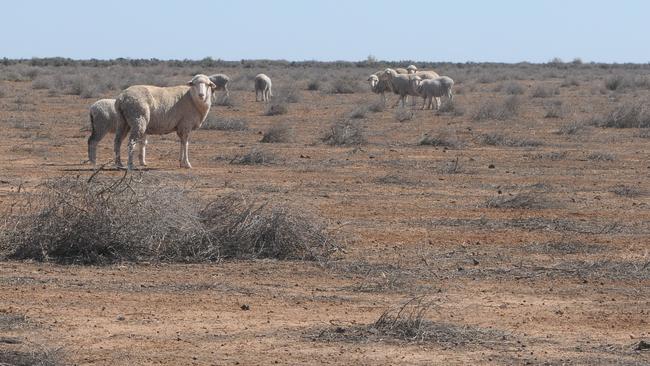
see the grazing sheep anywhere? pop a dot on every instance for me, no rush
(400, 84)
(263, 85)
(378, 86)
(153, 110)
(433, 88)
(104, 119)
(221, 81)
(411, 69)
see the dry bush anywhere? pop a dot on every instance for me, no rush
(509, 108)
(224, 124)
(601, 156)
(403, 114)
(346, 132)
(344, 85)
(553, 156)
(276, 107)
(254, 156)
(288, 94)
(359, 112)
(571, 128)
(278, 133)
(644, 133)
(513, 88)
(529, 200)
(620, 82)
(450, 107)
(626, 191)
(144, 218)
(570, 81)
(443, 139)
(313, 85)
(409, 323)
(105, 220)
(555, 109)
(3, 91)
(377, 107)
(541, 91)
(629, 115)
(36, 356)
(262, 230)
(497, 139)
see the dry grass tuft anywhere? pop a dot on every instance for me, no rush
(345, 133)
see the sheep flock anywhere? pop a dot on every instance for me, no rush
(142, 110)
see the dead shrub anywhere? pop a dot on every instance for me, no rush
(629, 115)
(541, 91)
(442, 139)
(344, 85)
(528, 201)
(344, 133)
(377, 107)
(99, 221)
(278, 133)
(497, 139)
(252, 230)
(449, 106)
(359, 112)
(626, 191)
(509, 108)
(555, 109)
(403, 114)
(513, 88)
(601, 156)
(253, 157)
(571, 128)
(276, 107)
(224, 124)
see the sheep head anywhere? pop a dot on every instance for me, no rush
(411, 69)
(374, 80)
(201, 88)
(388, 74)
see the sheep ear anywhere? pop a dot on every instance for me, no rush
(189, 83)
(213, 85)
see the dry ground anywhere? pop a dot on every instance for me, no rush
(560, 275)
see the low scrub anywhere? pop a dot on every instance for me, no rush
(505, 110)
(497, 139)
(629, 115)
(278, 133)
(344, 133)
(224, 124)
(143, 218)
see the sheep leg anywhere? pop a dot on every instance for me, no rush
(143, 152)
(184, 153)
(122, 129)
(93, 140)
(137, 136)
(437, 103)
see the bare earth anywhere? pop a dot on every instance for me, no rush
(565, 281)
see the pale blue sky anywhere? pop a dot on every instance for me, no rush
(457, 31)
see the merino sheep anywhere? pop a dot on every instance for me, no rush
(221, 81)
(263, 85)
(153, 110)
(378, 86)
(411, 69)
(433, 88)
(104, 119)
(400, 84)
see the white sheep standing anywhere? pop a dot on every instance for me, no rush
(378, 86)
(153, 110)
(433, 88)
(400, 84)
(104, 119)
(221, 81)
(263, 85)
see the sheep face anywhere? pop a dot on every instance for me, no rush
(373, 80)
(201, 88)
(412, 69)
(388, 74)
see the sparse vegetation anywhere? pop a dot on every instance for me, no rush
(541, 91)
(276, 107)
(509, 108)
(100, 221)
(497, 139)
(254, 157)
(572, 128)
(529, 201)
(443, 139)
(224, 124)
(451, 107)
(359, 112)
(601, 156)
(278, 133)
(403, 114)
(555, 109)
(346, 132)
(629, 115)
